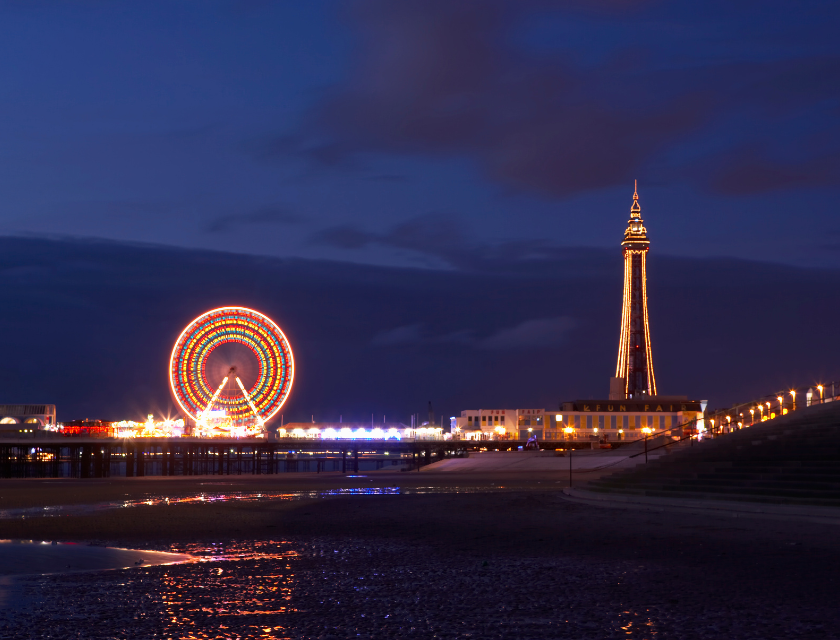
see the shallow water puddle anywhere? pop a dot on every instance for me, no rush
(23, 557)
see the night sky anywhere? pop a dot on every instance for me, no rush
(428, 196)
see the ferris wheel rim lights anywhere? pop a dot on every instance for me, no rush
(254, 330)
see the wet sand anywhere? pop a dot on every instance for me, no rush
(515, 562)
(34, 492)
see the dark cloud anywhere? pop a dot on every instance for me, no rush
(531, 334)
(387, 177)
(751, 171)
(313, 149)
(263, 216)
(343, 237)
(433, 77)
(409, 334)
(442, 239)
(439, 77)
(539, 333)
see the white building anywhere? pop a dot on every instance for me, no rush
(498, 424)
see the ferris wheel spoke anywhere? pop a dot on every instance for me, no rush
(260, 421)
(213, 399)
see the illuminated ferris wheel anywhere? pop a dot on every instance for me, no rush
(231, 370)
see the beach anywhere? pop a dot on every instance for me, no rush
(447, 556)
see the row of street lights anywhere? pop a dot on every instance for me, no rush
(761, 407)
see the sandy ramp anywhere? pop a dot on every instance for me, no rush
(504, 461)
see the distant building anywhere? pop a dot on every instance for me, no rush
(36, 416)
(582, 420)
(24, 420)
(498, 424)
(623, 419)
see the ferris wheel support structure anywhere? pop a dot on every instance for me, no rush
(250, 404)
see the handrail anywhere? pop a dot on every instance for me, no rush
(829, 392)
(782, 401)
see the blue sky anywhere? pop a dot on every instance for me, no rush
(321, 129)
(279, 147)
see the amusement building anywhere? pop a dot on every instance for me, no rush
(633, 406)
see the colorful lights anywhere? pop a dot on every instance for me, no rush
(245, 411)
(361, 433)
(151, 428)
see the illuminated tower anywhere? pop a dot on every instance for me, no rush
(635, 364)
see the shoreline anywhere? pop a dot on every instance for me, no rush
(432, 558)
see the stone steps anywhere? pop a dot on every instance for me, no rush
(794, 459)
(728, 496)
(653, 488)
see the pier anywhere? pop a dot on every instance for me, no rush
(137, 457)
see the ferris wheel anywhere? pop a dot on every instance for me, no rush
(231, 370)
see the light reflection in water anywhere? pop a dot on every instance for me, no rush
(277, 589)
(151, 501)
(211, 600)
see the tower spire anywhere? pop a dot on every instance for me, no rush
(636, 209)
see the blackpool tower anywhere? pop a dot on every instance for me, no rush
(635, 365)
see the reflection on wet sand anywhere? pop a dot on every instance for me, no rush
(328, 587)
(243, 496)
(212, 598)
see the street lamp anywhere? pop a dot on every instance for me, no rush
(712, 421)
(647, 431)
(781, 405)
(752, 416)
(793, 395)
(761, 411)
(820, 388)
